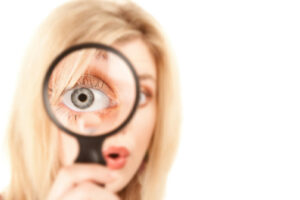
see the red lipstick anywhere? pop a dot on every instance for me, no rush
(116, 157)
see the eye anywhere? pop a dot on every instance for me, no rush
(145, 97)
(86, 99)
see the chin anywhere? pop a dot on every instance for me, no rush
(124, 177)
(116, 186)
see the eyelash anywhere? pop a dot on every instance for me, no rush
(90, 81)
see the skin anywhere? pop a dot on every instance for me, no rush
(93, 181)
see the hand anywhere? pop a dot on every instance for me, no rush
(82, 181)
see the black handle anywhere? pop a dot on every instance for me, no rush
(90, 150)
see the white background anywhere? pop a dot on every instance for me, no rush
(239, 65)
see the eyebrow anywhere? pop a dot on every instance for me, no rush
(147, 76)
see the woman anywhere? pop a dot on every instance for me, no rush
(42, 156)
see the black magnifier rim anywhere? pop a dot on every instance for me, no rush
(67, 52)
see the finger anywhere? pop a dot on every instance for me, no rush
(89, 190)
(70, 176)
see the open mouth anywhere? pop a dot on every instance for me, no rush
(116, 157)
(113, 155)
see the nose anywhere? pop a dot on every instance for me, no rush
(89, 123)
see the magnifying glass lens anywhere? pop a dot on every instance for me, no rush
(91, 91)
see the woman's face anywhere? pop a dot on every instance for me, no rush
(136, 136)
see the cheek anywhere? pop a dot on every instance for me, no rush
(68, 148)
(140, 132)
(143, 128)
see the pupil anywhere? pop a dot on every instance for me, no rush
(82, 97)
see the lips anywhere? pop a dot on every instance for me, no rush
(116, 157)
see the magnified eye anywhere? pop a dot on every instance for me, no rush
(86, 99)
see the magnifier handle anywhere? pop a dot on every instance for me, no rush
(90, 151)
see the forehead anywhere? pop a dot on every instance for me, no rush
(139, 55)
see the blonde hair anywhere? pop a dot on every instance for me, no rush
(33, 150)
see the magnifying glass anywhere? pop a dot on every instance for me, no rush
(91, 91)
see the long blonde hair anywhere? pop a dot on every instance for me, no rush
(33, 150)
